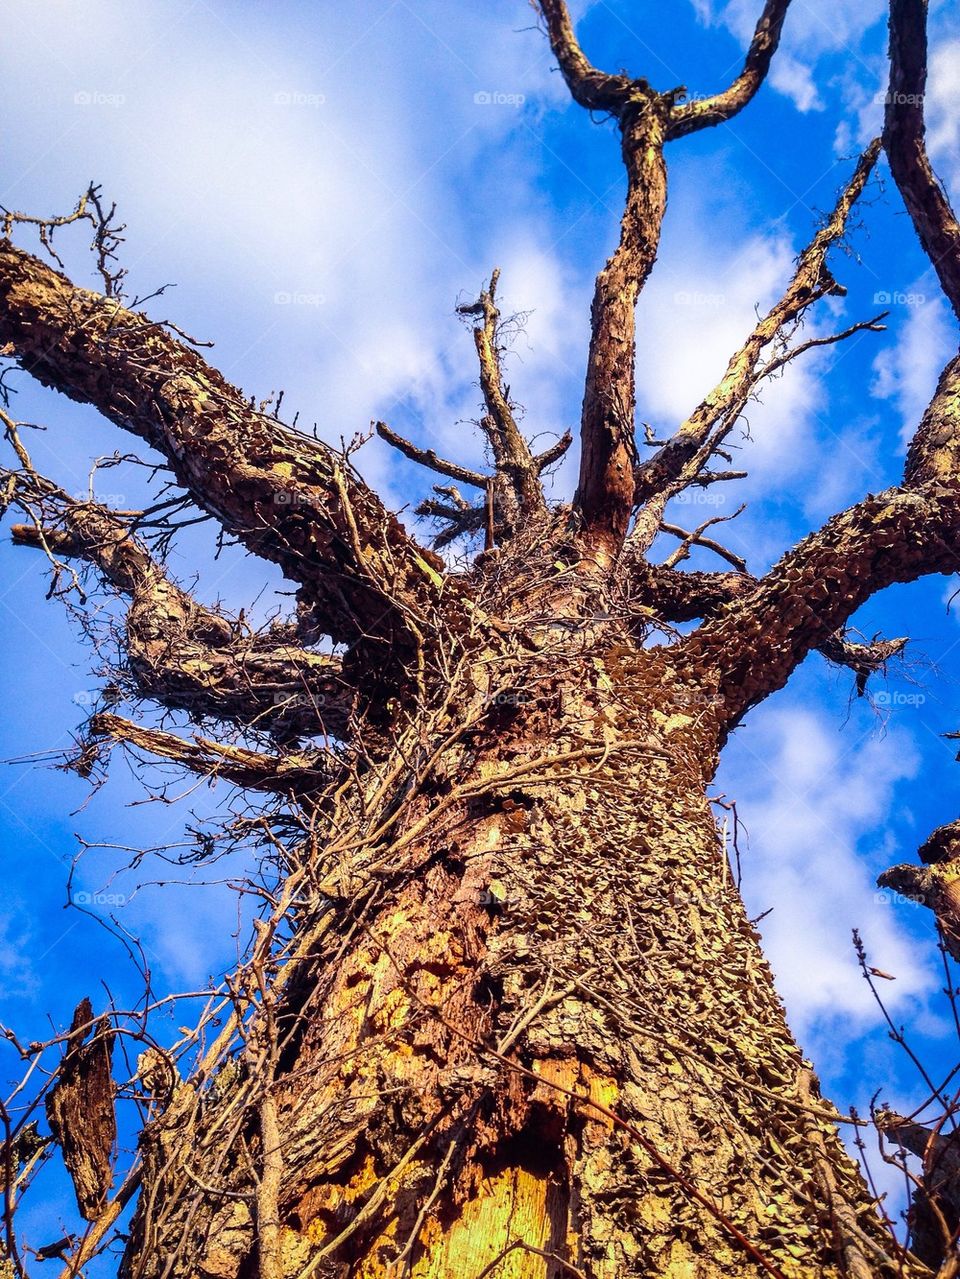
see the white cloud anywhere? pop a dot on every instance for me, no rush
(794, 79)
(943, 121)
(812, 31)
(906, 374)
(811, 795)
(694, 316)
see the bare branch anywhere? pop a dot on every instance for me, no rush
(286, 497)
(756, 644)
(80, 1110)
(703, 113)
(278, 774)
(831, 339)
(591, 88)
(181, 654)
(696, 538)
(698, 437)
(427, 457)
(905, 145)
(554, 453)
(864, 659)
(517, 486)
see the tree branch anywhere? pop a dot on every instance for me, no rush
(904, 142)
(593, 89)
(517, 489)
(606, 492)
(687, 117)
(897, 536)
(683, 456)
(278, 774)
(286, 497)
(427, 457)
(182, 655)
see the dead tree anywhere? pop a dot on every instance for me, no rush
(505, 1014)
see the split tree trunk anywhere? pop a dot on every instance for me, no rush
(550, 918)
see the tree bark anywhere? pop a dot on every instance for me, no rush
(535, 1034)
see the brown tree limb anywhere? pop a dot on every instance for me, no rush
(182, 655)
(604, 497)
(864, 659)
(899, 535)
(683, 456)
(286, 497)
(516, 480)
(554, 453)
(80, 1110)
(677, 596)
(904, 142)
(935, 1212)
(278, 774)
(591, 88)
(607, 487)
(704, 113)
(696, 538)
(756, 644)
(428, 458)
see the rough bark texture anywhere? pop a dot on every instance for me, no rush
(503, 1013)
(80, 1110)
(551, 924)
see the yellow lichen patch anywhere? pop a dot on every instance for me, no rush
(326, 1199)
(604, 1091)
(514, 1205)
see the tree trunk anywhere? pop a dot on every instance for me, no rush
(534, 1035)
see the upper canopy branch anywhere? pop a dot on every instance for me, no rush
(606, 496)
(904, 142)
(678, 462)
(755, 644)
(593, 89)
(286, 497)
(702, 113)
(514, 490)
(896, 536)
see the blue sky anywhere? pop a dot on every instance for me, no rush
(323, 184)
